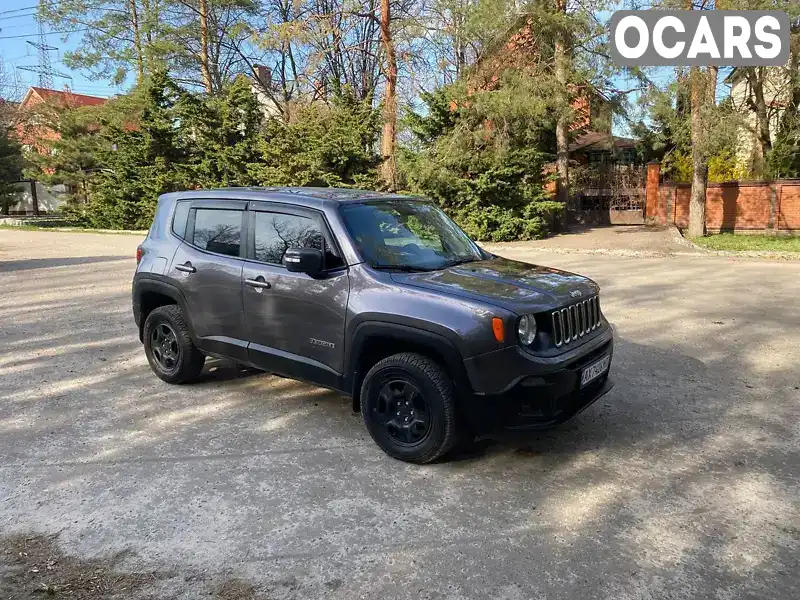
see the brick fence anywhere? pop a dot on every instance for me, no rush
(741, 206)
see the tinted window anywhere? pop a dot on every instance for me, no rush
(218, 231)
(408, 234)
(179, 220)
(276, 232)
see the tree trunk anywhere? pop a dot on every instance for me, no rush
(137, 40)
(792, 108)
(697, 202)
(755, 76)
(389, 166)
(205, 69)
(562, 124)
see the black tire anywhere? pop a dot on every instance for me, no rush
(408, 407)
(182, 362)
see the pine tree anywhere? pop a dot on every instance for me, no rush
(10, 170)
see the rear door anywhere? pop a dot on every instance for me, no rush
(208, 269)
(295, 323)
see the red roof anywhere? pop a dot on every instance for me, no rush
(66, 97)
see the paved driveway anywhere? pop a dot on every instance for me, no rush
(681, 483)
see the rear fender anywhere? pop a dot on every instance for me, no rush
(145, 285)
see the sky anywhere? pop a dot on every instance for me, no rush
(17, 27)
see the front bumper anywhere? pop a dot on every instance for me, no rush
(516, 390)
(500, 371)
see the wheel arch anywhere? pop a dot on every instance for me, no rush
(149, 294)
(373, 341)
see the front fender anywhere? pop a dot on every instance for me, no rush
(443, 345)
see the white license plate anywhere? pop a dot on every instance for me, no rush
(594, 370)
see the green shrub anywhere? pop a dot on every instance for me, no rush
(488, 179)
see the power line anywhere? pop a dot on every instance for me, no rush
(22, 16)
(44, 68)
(14, 10)
(31, 7)
(13, 37)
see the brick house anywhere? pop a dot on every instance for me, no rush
(33, 123)
(32, 126)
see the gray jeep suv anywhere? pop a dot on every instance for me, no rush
(381, 297)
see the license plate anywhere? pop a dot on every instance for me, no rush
(594, 370)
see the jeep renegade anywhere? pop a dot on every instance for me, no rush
(381, 297)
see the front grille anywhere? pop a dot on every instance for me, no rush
(575, 321)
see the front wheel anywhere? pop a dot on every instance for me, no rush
(408, 407)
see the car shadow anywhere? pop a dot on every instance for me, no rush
(48, 263)
(223, 369)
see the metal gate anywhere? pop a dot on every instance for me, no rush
(608, 194)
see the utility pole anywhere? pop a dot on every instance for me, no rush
(44, 68)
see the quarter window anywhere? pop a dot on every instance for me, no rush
(277, 232)
(218, 231)
(179, 220)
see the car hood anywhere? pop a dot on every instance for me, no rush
(514, 285)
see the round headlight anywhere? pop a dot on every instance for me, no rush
(526, 330)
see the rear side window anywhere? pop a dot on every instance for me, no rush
(179, 219)
(218, 230)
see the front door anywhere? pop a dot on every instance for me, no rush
(295, 323)
(208, 269)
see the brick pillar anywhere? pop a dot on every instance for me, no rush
(651, 212)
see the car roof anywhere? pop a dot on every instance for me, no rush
(300, 196)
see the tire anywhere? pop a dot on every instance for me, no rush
(408, 407)
(169, 348)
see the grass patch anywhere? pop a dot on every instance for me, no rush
(730, 241)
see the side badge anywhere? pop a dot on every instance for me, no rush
(316, 342)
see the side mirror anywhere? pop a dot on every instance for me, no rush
(303, 260)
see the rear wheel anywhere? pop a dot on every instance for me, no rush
(408, 408)
(169, 348)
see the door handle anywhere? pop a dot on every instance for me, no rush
(259, 283)
(186, 267)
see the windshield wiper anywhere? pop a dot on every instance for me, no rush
(456, 262)
(404, 268)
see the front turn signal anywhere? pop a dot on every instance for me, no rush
(499, 329)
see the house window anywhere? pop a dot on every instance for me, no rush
(599, 157)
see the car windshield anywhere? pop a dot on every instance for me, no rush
(408, 234)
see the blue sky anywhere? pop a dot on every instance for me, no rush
(17, 27)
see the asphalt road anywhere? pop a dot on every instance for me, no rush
(683, 482)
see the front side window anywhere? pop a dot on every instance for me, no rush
(408, 234)
(277, 232)
(218, 231)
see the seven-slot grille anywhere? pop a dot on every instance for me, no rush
(575, 321)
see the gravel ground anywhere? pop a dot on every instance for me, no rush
(681, 483)
(621, 240)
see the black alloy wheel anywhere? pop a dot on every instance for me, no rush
(168, 345)
(401, 409)
(408, 405)
(164, 346)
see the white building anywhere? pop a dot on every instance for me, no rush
(776, 95)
